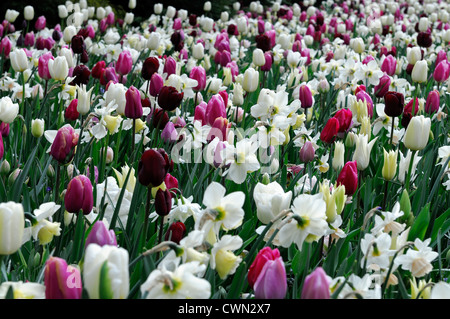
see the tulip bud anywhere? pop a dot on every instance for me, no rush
(258, 57)
(390, 165)
(433, 102)
(19, 60)
(393, 103)
(307, 152)
(176, 232)
(77, 44)
(389, 65)
(419, 73)
(28, 13)
(133, 106)
(61, 281)
(98, 69)
(63, 147)
(163, 202)
(84, 99)
(383, 86)
(79, 195)
(100, 235)
(124, 63)
(251, 80)
(8, 110)
(405, 205)
(11, 15)
(156, 84)
(417, 133)
(153, 167)
(37, 127)
(149, 67)
(271, 282)
(442, 71)
(58, 68)
(344, 117)
(338, 157)
(305, 96)
(40, 23)
(263, 256)
(330, 130)
(169, 98)
(362, 151)
(105, 272)
(198, 73)
(349, 178)
(12, 223)
(5, 167)
(316, 285)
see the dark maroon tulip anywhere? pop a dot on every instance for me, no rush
(393, 103)
(77, 44)
(81, 73)
(169, 98)
(163, 202)
(193, 20)
(424, 39)
(176, 232)
(349, 178)
(79, 195)
(159, 118)
(263, 42)
(406, 118)
(150, 66)
(153, 167)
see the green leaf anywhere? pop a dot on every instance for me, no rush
(419, 228)
(105, 289)
(439, 224)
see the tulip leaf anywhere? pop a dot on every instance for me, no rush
(10, 293)
(104, 288)
(419, 228)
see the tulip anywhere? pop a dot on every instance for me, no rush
(98, 69)
(338, 157)
(79, 195)
(383, 87)
(349, 178)
(105, 272)
(5, 46)
(363, 96)
(424, 39)
(77, 44)
(71, 113)
(251, 80)
(19, 60)
(116, 92)
(8, 110)
(11, 15)
(169, 133)
(419, 73)
(362, 151)
(417, 133)
(316, 285)
(330, 130)
(258, 57)
(37, 127)
(61, 280)
(344, 117)
(63, 147)
(100, 235)
(59, 68)
(263, 256)
(170, 66)
(133, 106)
(163, 202)
(176, 232)
(215, 108)
(40, 23)
(442, 71)
(198, 73)
(108, 75)
(84, 99)
(307, 152)
(149, 67)
(159, 118)
(393, 103)
(156, 84)
(124, 63)
(305, 96)
(29, 39)
(28, 13)
(389, 65)
(219, 129)
(271, 282)
(43, 69)
(169, 98)
(4, 129)
(153, 167)
(433, 102)
(413, 55)
(2, 147)
(12, 223)
(390, 165)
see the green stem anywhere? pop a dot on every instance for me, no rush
(408, 176)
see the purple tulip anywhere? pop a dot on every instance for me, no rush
(271, 282)
(101, 236)
(61, 281)
(316, 285)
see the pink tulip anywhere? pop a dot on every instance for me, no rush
(61, 281)
(316, 285)
(124, 63)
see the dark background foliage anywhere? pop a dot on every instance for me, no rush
(143, 9)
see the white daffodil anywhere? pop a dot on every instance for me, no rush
(376, 251)
(242, 160)
(418, 260)
(42, 227)
(182, 283)
(23, 290)
(227, 208)
(362, 151)
(387, 222)
(183, 209)
(222, 257)
(403, 166)
(307, 223)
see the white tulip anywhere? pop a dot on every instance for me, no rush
(12, 223)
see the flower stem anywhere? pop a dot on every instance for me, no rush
(408, 177)
(392, 132)
(147, 213)
(161, 227)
